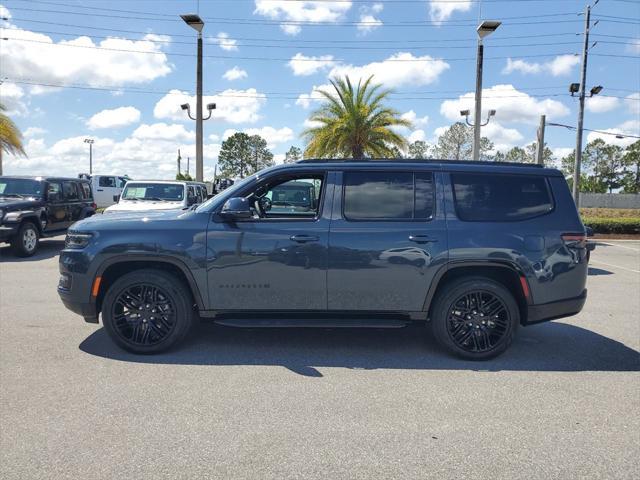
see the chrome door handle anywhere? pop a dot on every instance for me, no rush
(422, 239)
(304, 238)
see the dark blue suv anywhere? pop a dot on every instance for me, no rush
(471, 249)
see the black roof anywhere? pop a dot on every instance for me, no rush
(45, 177)
(419, 160)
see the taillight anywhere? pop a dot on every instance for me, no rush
(575, 240)
(94, 206)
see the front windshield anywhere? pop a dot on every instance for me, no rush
(166, 192)
(20, 187)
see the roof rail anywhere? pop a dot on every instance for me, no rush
(418, 160)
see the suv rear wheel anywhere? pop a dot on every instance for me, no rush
(147, 311)
(25, 242)
(475, 318)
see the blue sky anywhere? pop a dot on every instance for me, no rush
(118, 70)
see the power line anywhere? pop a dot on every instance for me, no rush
(571, 127)
(266, 95)
(28, 20)
(250, 21)
(333, 60)
(301, 47)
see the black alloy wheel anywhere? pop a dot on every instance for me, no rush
(143, 314)
(475, 318)
(147, 311)
(478, 321)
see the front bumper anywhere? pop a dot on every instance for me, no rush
(555, 310)
(74, 287)
(7, 231)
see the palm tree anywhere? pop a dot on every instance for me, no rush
(10, 137)
(354, 123)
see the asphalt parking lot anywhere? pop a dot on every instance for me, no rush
(563, 402)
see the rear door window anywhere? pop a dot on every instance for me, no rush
(500, 198)
(109, 182)
(388, 196)
(85, 190)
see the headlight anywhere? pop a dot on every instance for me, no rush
(77, 240)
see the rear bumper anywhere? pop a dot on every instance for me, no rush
(555, 310)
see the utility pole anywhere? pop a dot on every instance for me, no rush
(583, 87)
(179, 159)
(188, 159)
(540, 145)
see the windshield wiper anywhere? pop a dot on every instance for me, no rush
(13, 195)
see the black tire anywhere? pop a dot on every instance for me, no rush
(163, 319)
(468, 331)
(25, 242)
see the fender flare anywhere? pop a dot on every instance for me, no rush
(452, 265)
(125, 258)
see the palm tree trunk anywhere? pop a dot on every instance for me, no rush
(357, 152)
(0, 161)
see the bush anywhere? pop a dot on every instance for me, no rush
(622, 225)
(609, 212)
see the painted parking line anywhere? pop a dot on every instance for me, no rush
(619, 246)
(597, 262)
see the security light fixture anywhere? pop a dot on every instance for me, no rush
(487, 28)
(574, 88)
(596, 90)
(89, 140)
(492, 113)
(211, 106)
(184, 106)
(464, 113)
(194, 21)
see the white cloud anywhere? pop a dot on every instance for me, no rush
(233, 106)
(301, 65)
(33, 132)
(560, 65)
(511, 106)
(162, 131)
(561, 152)
(630, 127)
(634, 46)
(416, 135)
(368, 20)
(37, 57)
(13, 98)
(633, 103)
(225, 43)
(398, 70)
(302, 11)
(503, 138)
(311, 124)
(413, 118)
(234, 74)
(599, 104)
(137, 157)
(117, 117)
(443, 9)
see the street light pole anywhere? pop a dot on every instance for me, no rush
(90, 142)
(484, 29)
(195, 22)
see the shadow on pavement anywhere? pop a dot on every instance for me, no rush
(598, 271)
(546, 347)
(47, 248)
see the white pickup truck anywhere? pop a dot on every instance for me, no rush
(106, 188)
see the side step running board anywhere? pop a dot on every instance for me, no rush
(309, 323)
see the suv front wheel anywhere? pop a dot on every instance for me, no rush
(475, 318)
(147, 311)
(25, 242)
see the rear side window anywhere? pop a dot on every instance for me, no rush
(107, 182)
(69, 191)
(85, 190)
(388, 196)
(500, 198)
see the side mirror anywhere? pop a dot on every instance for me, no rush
(236, 208)
(116, 198)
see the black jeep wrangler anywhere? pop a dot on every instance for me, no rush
(36, 207)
